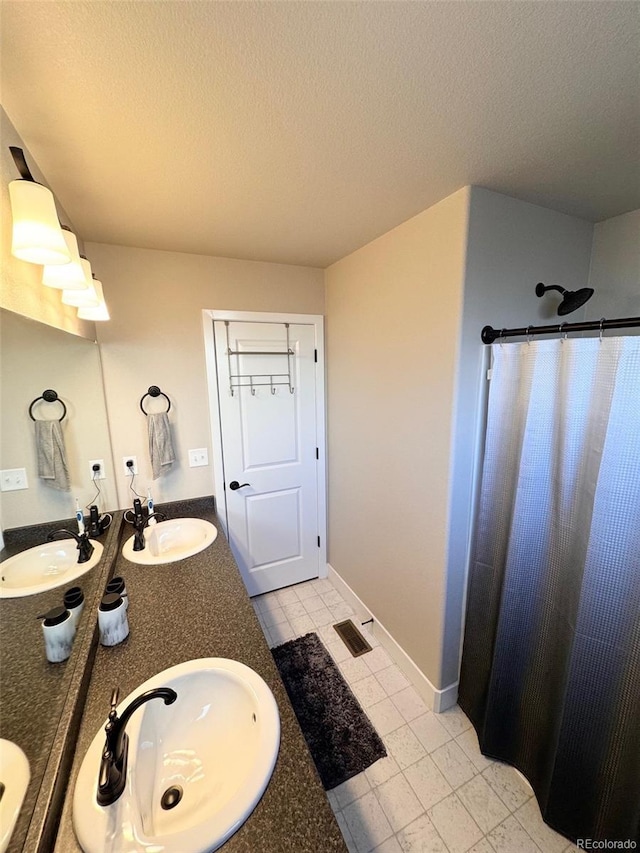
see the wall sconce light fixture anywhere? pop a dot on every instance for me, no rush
(69, 276)
(37, 235)
(87, 298)
(98, 312)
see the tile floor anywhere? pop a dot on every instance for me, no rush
(434, 792)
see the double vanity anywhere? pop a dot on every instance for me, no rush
(223, 766)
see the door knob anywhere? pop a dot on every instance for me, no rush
(234, 484)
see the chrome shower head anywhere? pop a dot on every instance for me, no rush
(571, 299)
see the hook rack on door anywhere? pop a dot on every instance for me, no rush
(254, 380)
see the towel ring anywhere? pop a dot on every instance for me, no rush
(49, 396)
(154, 391)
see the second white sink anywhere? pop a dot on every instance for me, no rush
(216, 745)
(170, 541)
(14, 775)
(44, 567)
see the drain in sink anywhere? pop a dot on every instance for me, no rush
(171, 797)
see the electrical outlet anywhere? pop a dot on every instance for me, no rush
(13, 479)
(198, 457)
(130, 470)
(99, 474)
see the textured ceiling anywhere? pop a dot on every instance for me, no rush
(298, 131)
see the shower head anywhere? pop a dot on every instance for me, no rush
(574, 299)
(571, 299)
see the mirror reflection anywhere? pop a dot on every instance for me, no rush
(36, 358)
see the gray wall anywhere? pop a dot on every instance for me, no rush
(615, 268)
(511, 246)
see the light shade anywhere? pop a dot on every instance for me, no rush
(37, 236)
(99, 312)
(87, 298)
(67, 276)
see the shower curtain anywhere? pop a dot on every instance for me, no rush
(550, 671)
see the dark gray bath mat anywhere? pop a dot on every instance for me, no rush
(339, 734)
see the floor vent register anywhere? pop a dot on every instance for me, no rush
(352, 638)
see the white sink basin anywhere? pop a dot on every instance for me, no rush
(14, 775)
(170, 541)
(44, 567)
(218, 741)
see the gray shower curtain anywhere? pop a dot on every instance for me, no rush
(550, 671)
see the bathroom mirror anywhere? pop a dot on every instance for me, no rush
(38, 698)
(35, 358)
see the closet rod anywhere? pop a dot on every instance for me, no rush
(489, 334)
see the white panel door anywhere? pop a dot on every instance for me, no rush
(268, 428)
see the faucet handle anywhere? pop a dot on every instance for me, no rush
(115, 695)
(111, 724)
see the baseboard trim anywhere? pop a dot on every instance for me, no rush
(437, 700)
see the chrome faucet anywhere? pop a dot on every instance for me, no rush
(85, 548)
(140, 522)
(113, 764)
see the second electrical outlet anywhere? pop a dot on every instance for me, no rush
(96, 473)
(130, 465)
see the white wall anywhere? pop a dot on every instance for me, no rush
(511, 246)
(615, 268)
(393, 316)
(155, 338)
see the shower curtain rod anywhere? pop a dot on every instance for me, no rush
(489, 334)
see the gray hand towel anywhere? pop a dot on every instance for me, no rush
(160, 446)
(52, 456)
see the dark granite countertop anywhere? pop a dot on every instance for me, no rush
(39, 703)
(196, 608)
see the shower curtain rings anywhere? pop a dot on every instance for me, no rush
(602, 321)
(529, 335)
(560, 329)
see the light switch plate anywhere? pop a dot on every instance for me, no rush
(198, 457)
(13, 479)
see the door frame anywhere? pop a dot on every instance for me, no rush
(209, 315)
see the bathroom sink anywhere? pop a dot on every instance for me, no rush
(218, 743)
(172, 540)
(14, 778)
(44, 567)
